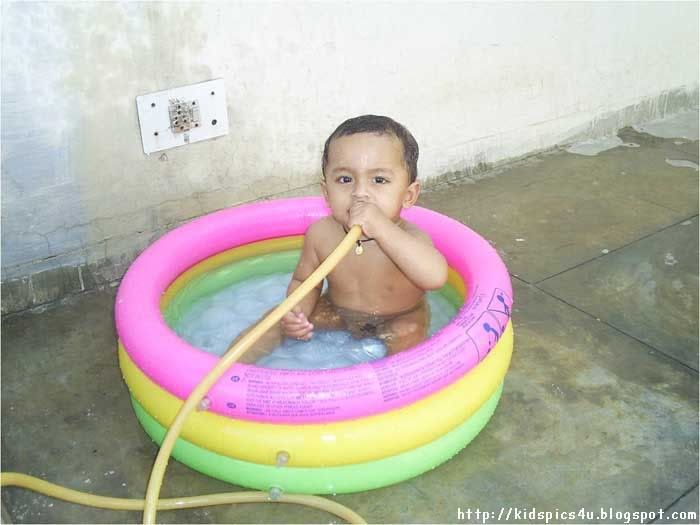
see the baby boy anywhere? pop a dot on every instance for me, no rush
(378, 290)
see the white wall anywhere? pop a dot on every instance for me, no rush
(473, 82)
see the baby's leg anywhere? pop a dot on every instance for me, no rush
(407, 330)
(263, 346)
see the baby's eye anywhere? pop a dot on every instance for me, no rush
(344, 179)
(381, 180)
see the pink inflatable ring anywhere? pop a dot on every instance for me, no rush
(253, 393)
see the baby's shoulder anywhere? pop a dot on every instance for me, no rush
(322, 231)
(322, 227)
(322, 236)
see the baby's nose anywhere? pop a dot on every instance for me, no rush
(359, 195)
(359, 189)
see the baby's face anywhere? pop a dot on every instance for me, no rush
(370, 167)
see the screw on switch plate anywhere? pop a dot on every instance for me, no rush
(184, 115)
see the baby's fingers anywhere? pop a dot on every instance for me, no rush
(302, 333)
(291, 322)
(297, 326)
(295, 316)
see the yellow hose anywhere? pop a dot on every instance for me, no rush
(15, 479)
(151, 503)
(231, 355)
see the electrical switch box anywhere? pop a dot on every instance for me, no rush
(182, 115)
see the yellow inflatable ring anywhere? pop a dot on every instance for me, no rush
(329, 444)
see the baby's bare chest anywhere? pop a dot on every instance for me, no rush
(371, 274)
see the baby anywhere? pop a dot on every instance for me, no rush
(377, 290)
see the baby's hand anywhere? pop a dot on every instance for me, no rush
(296, 325)
(367, 215)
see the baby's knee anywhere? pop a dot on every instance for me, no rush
(407, 327)
(402, 336)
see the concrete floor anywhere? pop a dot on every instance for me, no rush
(600, 407)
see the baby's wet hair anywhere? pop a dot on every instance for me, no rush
(379, 125)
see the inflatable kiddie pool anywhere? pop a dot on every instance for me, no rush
(314, 431)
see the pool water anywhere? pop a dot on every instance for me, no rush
(213, 320)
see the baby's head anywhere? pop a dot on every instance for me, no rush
(378, 125)
(370, 158)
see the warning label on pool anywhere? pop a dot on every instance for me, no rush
(303, 396)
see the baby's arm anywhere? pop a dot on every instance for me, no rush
(413, 252)
(296, 324)
(410, 249)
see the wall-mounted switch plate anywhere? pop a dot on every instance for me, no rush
(182, 115)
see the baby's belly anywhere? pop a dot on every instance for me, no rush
(375, 304)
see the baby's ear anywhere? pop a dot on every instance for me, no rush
(411, 195)
(324, 190)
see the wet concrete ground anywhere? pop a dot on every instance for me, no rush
(600, 406)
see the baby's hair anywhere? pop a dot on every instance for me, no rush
(381, 126)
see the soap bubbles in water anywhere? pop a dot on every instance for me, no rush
(326, 349)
